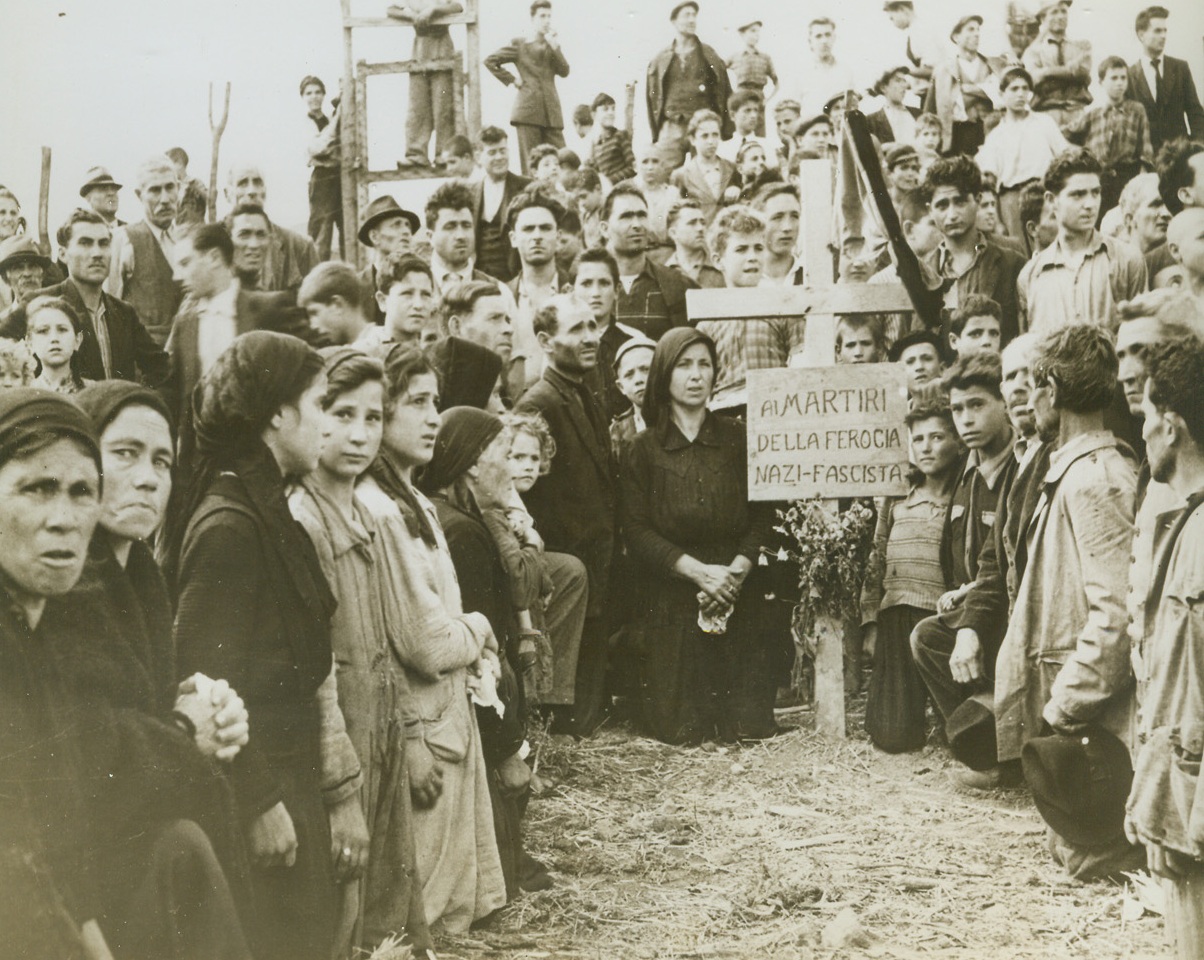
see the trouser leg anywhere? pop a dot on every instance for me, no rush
(420, 119)
(1185, 914)
(932, 644)
(444, 105)
(529, 137)
(564, 621)
(589, 704)
(1009, 213)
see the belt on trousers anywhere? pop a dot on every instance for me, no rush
(1018, 186)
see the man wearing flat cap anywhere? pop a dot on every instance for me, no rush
(100, 192)
(1060, 67)
(894, 122)
(388, 229)
(685, 77)
(962, 105)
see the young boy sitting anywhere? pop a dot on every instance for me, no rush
(611, 154)
(1116, 131)
(904, 580)
(976, 326)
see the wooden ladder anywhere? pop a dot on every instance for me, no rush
(353, 133)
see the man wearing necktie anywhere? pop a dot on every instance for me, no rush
(1060, 67)
(1164, 85)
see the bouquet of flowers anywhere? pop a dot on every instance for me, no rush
(831, 549)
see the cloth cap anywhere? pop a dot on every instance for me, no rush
(97, 177)
(750, 23)
(911, 339)
(896, 153)
(467, 372)
(632, 343)
(895, 4)
(384, 208)
(464, 433)
(1080, 783)
(970, 731)
(680, 7)
(1049, 6)
(960, 25)
(18, 248)
(28, 412)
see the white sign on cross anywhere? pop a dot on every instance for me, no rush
(821, 302)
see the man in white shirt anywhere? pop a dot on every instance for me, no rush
(534, 225)
(824, 76)
(143, 272)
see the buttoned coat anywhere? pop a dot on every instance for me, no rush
(719, 87)
(1179, 99)
(538, 64)
(691, 178)
(1065, 657)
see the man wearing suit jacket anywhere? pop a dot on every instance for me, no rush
(115, 346)
(707, 177)
(574, 504)
(1164, 85)
(216, 310)
(491, 199)
(894, 122)
(538, 61)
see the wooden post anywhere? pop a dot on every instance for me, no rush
(216, 129)
(44, 205)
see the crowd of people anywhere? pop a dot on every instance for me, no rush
(298, 557)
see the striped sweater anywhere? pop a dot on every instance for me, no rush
(905, 565)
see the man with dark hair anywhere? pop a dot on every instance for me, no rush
(456, 160)
(610, 152)
(968, 261)
(1060, 67)
(690, 257)
(1164, 803)
(1037, 219)
(1162, 84)
(652, 298)
(491, 199)
(1064, 660)
(144, 260)
(326, 181)
(1181, 174)
(746, 108)
(894, 122)
(449, 221)
(287, 256)
(406, 296)
(1082, 275)
(534, 224)
(476, 311)
(538, 61)
(782, 209)
(596, 284)
(340, 306)
(685, 77)
(574, 504)
(115, 345)
(216, 309)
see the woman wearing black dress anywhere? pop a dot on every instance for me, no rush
(695, 540)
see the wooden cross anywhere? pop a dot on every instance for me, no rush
(820, 302)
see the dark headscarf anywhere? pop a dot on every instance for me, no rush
(670, 347)
(464, 433)
(232, 405)
(27, 413)
(102, 401)
(467, 372)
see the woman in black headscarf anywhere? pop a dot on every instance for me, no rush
(695, 540)
(469, 375)
(255, 609)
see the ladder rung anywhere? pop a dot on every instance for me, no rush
(402, 173)
(449, 21)
(387, 67)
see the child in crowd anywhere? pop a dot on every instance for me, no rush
(919, 353)
(928, 140)
(588, 197)
(570, 168)
(975, 326)
(633, 360)
(751, 165)
(904, 582)
(544, 163)
(611, 154)
(753, 71)
(745, 109)
(17, 364)
(860, 338)
(707, 177)
(816, 136)
(786, 115)
(988, 206)
(1117, 132)
(54, 333)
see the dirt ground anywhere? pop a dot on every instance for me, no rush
(753, 852)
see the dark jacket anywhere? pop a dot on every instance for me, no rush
(672, 285)
(574, 504)
(993, 274)
(133, 350)
(539, 64)
(253, 310)
(719, 88)
(1179, 98)
(496, 261)
(880, 126)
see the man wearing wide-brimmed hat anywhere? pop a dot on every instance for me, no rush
(388, 228)
(23, 268)
(100, 191)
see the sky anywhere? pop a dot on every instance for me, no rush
(115, 82)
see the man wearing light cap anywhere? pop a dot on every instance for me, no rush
(100, 191)
(1060, 67)
(685, 77)
(961, 102)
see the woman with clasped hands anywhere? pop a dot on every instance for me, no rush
(701, 631)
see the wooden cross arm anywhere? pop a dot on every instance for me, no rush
(759, 303)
